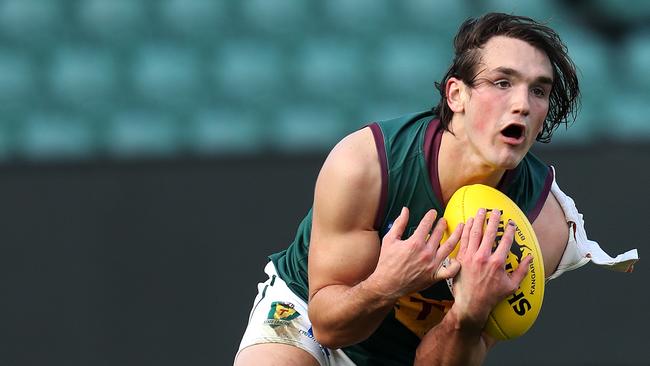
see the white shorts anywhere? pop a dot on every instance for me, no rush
(280, 316)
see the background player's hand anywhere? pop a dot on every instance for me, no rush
(483, 281)
(411, 264)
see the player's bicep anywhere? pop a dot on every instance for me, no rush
(349, 261)
(344, 245)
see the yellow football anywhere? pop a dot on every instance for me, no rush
(513, 316)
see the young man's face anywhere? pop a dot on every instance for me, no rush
(505, 110)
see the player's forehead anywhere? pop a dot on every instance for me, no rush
(506, 53)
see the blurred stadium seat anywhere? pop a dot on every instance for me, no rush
(140, 132)
(9, 138)
(629, 121)
(307, 127)
(443, 16)
(636, 56)
(82, 76)
(630, 93)
(226, 130)
(52, 135)
(591, 55)
(630, 11)
(17, 79)
(543, 11)
(411, 64)
(248, 68)
(358, 16)
(197, 19)
(331, 67)
(279, 17)
(31, 22)
(166, 75)
(383, 109)
(116, 20)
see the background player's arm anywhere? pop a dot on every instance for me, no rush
(353, 280)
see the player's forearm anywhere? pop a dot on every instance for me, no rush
(452, 343)
(342, 315)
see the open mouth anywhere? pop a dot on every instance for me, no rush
(513, 131)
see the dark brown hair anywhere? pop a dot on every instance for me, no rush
(474, 33)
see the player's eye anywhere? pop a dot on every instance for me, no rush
(502, 84)
(539, 92)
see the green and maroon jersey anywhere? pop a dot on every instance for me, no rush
(408, 152)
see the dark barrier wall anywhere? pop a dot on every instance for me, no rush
(157, 263)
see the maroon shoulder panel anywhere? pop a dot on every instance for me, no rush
(381, 153)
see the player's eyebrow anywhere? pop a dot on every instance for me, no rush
(512, 72)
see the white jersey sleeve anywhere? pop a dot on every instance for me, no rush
(580, 250)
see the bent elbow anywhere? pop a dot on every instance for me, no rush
(324, 338)
(327, 339)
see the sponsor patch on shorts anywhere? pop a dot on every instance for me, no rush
(281, 313)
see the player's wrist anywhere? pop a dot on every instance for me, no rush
(377, 290)
(465, 322)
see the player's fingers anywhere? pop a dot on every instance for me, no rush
(464, 237)
(448, 270)
(449, 244)
(399, 225)
(487, 241)
(437, 233)
(424, 227)
(506, 241)
(518, 274)
(476, 233)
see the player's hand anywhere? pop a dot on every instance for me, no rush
(483, 281)
(411, 264)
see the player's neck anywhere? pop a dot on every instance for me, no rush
(458, 166)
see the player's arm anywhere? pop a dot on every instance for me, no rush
(353, 280)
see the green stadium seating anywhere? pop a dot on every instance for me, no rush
(411, 64)
(441, 16)
(143, 132)
(199, 19)
(121, 21)
(49, 135)
(358, 16)
(226, 130)
(592, 56)
(543, 11)
(247, 68)
(634, 60)
(18, 79)
(279, 17)
(630, 119)
(306, 127)
(31, 22)
(166, 75)
(330, 67)
(629, 11)
(83, 76)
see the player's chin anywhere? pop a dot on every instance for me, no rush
(513, 155)
(510, 161)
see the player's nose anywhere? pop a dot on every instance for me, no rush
(520, 103)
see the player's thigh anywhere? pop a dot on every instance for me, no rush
(274, 354)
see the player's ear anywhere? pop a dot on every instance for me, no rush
(455, 91)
